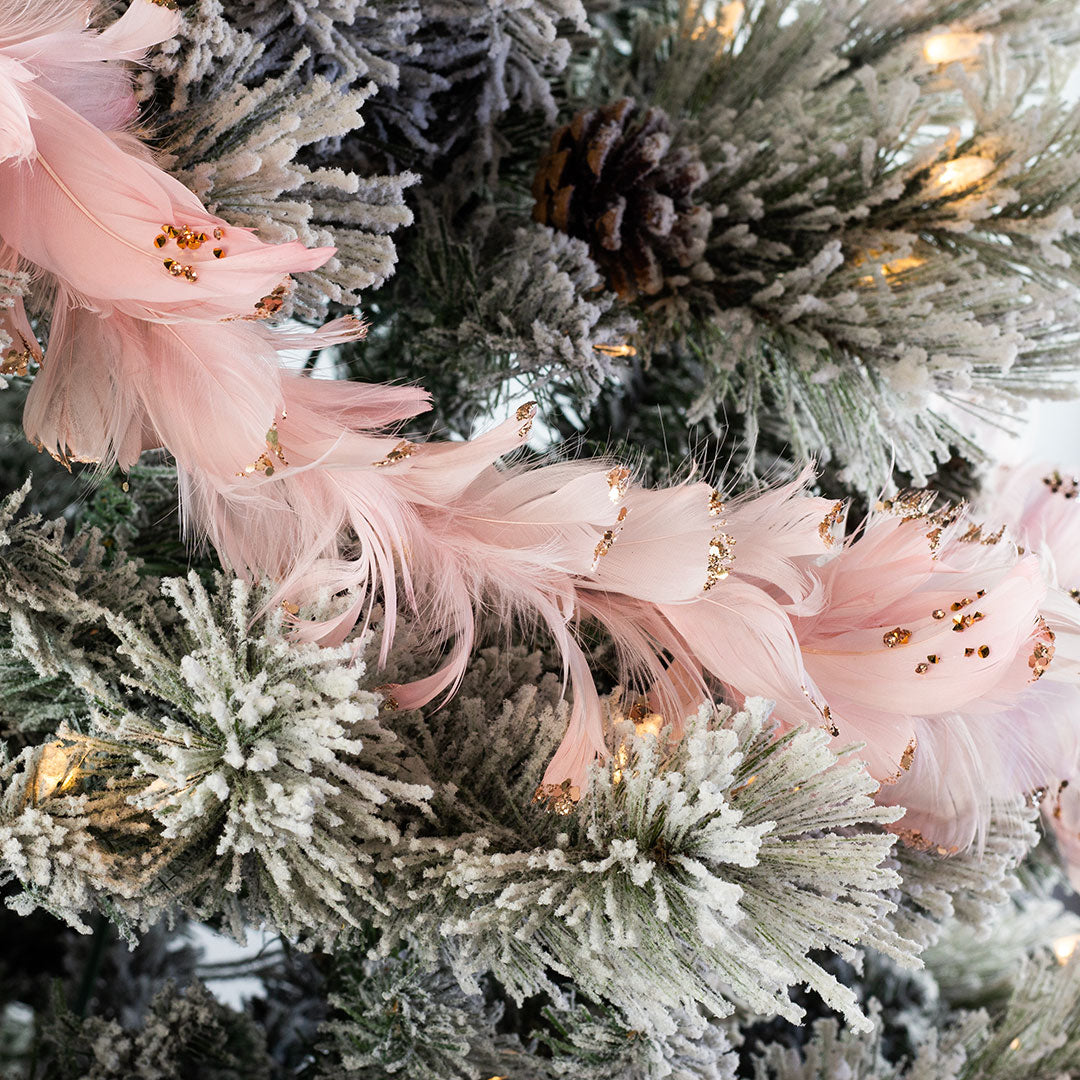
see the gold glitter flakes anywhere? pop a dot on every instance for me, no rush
(1061, 485)
(17, 361)
(938, 613)
(608, 539)
(984, 651)
(921, 669)
(830, 727)
(1043, 651)
(908, 505)
(833, 518)
(561, 798)
(897, 636)
(914, 838)
(934, 658)
(909, 754)
(970, 652)
(403, 450)
(219, 253)
(618, 481)
(186, 240)
(1061, 787)
(526, 414)
(721, 559)
(271, 304)
(956, 605)
(1075, 595)
(716, 504)
(266, 463)
(975, 535)
(219, 233)
(826, 714)
(906, 760)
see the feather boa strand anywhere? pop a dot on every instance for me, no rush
(910, 638)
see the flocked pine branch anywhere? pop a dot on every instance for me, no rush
(858, 291)
(714, 841)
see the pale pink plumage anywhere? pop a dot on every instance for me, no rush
(138, 356)
(924, 651)
(1042, 506)
(295, 479)
(455, 533)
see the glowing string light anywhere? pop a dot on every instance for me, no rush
(952, 47)
(961, 173)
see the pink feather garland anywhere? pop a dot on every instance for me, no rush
(908, 638)
(1041, 505)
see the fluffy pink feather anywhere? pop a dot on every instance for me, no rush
(138, 356)
(1041, 504)
(925, 650)
(346, 507)
(153, 343)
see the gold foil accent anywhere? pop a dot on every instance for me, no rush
(716, 504)
(389, 702)
(1043, 650)
(618, 480)
(829, 522)
(720, 559)
(401, 452)
(897, 636)
(266, 463)
(914, 838)
(57, 769)
(17, 361)
(909, 754)
(608, 539)
(526, 414)
(561, 798)
(984, 651)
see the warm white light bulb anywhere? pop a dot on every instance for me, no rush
(951, 47)
(961, 173)
(730, 17)
(650, 724)
(57, 769)
(1064, 947)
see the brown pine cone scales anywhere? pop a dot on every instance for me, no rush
(612, 179)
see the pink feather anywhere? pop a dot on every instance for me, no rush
(1041, 504)
(354, 509)
(924, 651)
(294, 479)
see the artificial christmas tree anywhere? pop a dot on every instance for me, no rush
(476, 548)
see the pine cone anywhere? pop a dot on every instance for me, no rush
(619, 186)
